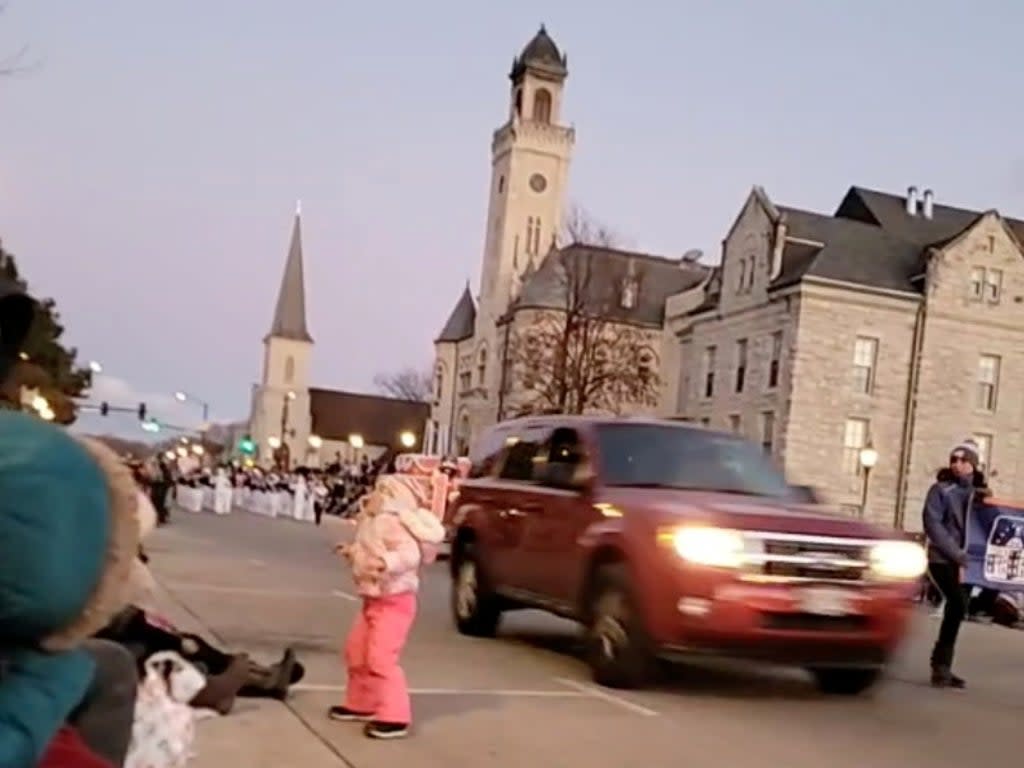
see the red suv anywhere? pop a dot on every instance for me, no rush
(666, 540)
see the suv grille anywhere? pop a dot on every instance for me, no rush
(791, 557)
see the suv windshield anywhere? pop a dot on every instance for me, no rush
(664, 456)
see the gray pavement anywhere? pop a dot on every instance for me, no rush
(256, 585)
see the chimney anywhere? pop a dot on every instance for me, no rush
(928, 204)
(912, 201)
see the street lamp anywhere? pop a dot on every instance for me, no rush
(95, 367)
(315, 441)
(274, 442)
(868, 459)
(356, 441)
(183, 397)
(198, 450)
(408, 439)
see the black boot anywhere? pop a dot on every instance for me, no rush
(273, 682)
(943, 677)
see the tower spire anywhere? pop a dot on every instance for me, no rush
(290, 312)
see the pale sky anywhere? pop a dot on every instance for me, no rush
(152, 153)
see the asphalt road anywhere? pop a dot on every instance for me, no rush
(524, 699)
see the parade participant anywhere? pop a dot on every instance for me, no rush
(386, 554)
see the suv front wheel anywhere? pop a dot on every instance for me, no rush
(617, 648)
(475, 607)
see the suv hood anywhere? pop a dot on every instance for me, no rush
(727, 510)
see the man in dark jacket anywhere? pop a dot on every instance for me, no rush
(945, 523)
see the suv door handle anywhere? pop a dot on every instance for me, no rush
(512, 513)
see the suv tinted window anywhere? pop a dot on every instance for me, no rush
(486, 452)
(523, 455)
(664, 456)
(562, 455)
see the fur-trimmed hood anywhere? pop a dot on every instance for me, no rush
(110, 593)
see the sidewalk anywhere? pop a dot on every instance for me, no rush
(258, 733)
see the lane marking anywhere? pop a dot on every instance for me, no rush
(552, 694)
(597, 693)
(189, 586)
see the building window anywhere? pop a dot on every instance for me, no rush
(986, 285)
(465, 381)
(735, 423)
(855, 437)
(481, 367)
(768, 431)
(865, 355)
(438, 385)
(776, 360)
(630, 289)
(289, 369)
(542, 105)
(751, 264)
(710, 355)
(984, 442)
(501, 184)
(988, 382)
(742, 281)
(645, 370)
(741, 364)
(705, 421)
(993, 285)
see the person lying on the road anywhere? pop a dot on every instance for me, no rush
(227, 675)
(393, 537)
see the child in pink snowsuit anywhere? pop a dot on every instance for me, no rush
(393, 538)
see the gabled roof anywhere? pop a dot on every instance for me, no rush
(601, 274)
(378, 420)
(851, 251)
(462, 321)
(290, 313)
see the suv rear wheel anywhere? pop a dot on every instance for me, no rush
(845, 681)
(617, 647)
(475, 607)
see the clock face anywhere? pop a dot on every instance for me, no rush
(538, 183)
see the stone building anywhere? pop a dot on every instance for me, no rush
(294, 424)
(895, 323)
(523, 274)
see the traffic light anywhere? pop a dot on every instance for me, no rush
(104, 408)
(142, 411)
(247, 446)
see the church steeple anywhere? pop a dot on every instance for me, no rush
(290, 312)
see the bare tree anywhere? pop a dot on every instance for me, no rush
(406, 384)
(580, 228)
(13, 64)
(583, 355)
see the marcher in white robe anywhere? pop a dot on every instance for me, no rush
(300, 497)
(222, 493)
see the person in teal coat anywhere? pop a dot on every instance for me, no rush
(68, 534)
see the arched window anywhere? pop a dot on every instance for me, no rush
(742, 283)
(481, 367)
(438, 383)
(542, 105)
(289, 369)
(462, 435)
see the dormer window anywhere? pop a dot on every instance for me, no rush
(630, 293)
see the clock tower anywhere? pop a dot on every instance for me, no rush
(530, 156)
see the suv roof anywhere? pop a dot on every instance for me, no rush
(556, 418)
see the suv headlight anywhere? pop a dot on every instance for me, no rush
(898, 560)
(712, 547)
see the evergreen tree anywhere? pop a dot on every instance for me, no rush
(46, 364)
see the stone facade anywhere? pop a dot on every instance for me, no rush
(893, 353)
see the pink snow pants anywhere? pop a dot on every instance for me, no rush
(376, 682)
